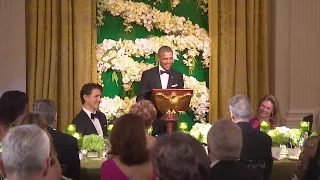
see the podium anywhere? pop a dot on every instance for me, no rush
(171, 101)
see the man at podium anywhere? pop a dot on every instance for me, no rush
(160, 77)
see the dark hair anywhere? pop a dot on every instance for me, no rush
(128, 140)
(12, 105)
(87, 90)
(179, 156)
(31, 118)
(146, 110)
(164, 49)
(47, 108)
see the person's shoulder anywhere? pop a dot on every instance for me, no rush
(151, 70)
(176, 72)
(79, 116)
(312, 141)
(63, 138)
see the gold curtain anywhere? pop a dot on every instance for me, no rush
(239, 63)
(61, 42)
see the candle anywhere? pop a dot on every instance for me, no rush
(304, 126)
(183, 126)
(109, 128)
(76, 135)
(264, 126)
(150, 130)
(71, 129)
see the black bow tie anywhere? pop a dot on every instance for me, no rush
(94, 115)
(162, 72)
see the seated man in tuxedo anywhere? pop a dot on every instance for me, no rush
(160, 77)
(256, 145)
(224, 148)
(65, 145)
(89, 120)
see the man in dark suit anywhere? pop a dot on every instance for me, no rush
(65, 145)
(89, 120)
(160, 77)
(256, 147)
(224, 148)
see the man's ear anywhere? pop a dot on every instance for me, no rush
(2, 169)
(46, 167)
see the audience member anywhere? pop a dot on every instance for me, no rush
(224, 148)
(179, 156)
(12, 105)
(268, 111)
(130, 157)
(148, 112)
(65, 145)
(37, 119)
(308, 167)
(26, 153)
(90, 120)
(256, 145)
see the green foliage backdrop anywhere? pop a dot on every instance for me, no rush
(114, 29)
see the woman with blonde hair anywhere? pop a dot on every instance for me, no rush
(268, 111)
(309, 160)
(146, 110)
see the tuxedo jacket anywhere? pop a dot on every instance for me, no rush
(67, 149)
(151, 80)
(231, 170)
(256, 145)
(85, 126)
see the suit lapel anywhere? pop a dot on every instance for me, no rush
(170, 80)
(156, 77)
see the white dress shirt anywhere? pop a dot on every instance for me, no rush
(164, 78)
(94, 121)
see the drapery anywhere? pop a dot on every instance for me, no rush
(239, 63)
(61, 42)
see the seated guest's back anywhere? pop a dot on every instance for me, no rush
(224, 148)
(308, 167)
(148, 112)
(179, 156)
(256, 145)
(130, 157)
(35, 161)
(65, 145)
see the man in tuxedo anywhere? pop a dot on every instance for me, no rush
(256, 145)
(160, 77)
(89, 120)
(65, 145)
(224, 148)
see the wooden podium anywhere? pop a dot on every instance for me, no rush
(171, 101)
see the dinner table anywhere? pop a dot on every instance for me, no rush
(282, 169)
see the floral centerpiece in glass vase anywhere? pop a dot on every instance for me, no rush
(285, 141)
(93, 144)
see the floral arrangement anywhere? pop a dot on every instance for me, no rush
(285, 136)
(200, 131)
(93, 142)
(203, 5)
(117, 55)
(115, 107)
(200, 100)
